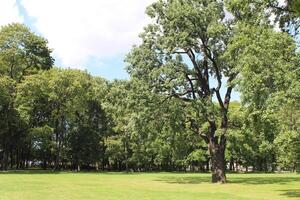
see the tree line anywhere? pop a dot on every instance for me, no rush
(175, 112)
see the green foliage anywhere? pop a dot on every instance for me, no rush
(288, 140)
(7, 91)
(295, 4)
(149, 135)
(22, 52)
(264, 58)
(42, 145)
(65, 101)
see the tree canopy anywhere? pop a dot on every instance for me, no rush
(22, 52)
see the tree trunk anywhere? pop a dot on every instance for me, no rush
(207, 165)
(97, 166)
(44, 164)
(217, 153)
(11, 155)
(57, 158)
(4, 161)
(58, 146)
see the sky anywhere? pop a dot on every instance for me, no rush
(92, 35)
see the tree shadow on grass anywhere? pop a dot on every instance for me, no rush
(32, 171)
(184, 180)
(49, 171)
(293, 193)
(231, 180)
(264, 180)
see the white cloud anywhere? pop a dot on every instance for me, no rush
(9, 12)
(78, 30)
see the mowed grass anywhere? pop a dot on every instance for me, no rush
(145, 186)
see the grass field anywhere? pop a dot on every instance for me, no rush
(146, 186)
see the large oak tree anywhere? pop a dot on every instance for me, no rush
(192, 52)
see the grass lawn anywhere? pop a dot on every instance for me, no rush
(145, 186)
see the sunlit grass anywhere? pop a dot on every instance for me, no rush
(146, 186)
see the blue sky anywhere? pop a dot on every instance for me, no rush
(92, 35)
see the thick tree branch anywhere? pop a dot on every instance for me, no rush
(229, 90)
(180, 97)
(192, 85)
(208, 53)
(188, 91)
(219, 98)
(197, 130)
(202, 82)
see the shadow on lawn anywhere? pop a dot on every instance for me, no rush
(184, 180)
(33, 171)
(236, 180)
(41, 171)
(294, 193)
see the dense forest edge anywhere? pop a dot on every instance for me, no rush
(175, 113)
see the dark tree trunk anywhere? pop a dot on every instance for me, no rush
(231, 167)
(44, 164)
(18, 160)
(58, 145)
(11, 154)
(217, 153)
(57, 158)
(4, 161)
(207, 165)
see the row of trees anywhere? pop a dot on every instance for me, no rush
(173, 113)
(66, 118)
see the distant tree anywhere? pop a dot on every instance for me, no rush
(268, 65)
(65, 102)
(22, 52)
(288, 140)
(42, 146)
(87, 134)
(12, 127)
(7, 90)
(148, 134)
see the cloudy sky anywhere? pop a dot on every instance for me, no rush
(85, 34)
(94, 35)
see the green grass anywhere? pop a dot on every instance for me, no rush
(145, 186)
